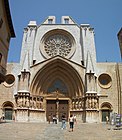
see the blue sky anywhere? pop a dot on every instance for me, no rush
(103, 15)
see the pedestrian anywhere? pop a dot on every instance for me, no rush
(71, 122)
(49, 119)
(107, 119)
(3, 116)
(54, 119)
(63, 118)
(13, 118)
(75, 120)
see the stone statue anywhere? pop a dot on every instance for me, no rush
(89, 103)
(95, 103)
(80, 105)
(24, 102)
(41, 104)
(38, 104)
(76, 105)
(20, 102)
(73, 105)
(34, 103)
(27, 102)
(31, 102)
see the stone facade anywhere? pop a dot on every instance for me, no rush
(58, 74)
(6, 32)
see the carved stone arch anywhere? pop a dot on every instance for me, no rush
(57, 68)
(106, 106)
(8, 104)
(68, 80)
(8, 109)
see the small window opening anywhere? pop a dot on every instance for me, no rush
(50, 21)
(66, 20)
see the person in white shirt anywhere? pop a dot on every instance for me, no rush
(71, 123)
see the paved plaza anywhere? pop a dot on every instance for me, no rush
(45, 131)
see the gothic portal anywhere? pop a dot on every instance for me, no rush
(58, 74)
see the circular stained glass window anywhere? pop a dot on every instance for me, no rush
(57, 45)
(57, 42)
(105, 80)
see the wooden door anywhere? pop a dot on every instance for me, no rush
(104, 114)
(63, 109)
(8, 114)
(51, 108)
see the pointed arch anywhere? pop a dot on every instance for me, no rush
(57, 69)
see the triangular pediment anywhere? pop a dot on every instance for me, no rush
(57, 59)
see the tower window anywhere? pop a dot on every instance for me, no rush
(66, 20)
(50, 21)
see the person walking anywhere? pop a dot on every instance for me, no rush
(49, 119)
(63, 121)
(107, 119)
(71, 123)
(75, 120)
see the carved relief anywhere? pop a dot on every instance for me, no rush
(91, 101)
(24, 100)
(77, 104)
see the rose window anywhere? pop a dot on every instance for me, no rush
(57, 45)
(105, 80)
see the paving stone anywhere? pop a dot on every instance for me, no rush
(45, 131)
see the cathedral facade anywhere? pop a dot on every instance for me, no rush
(58, 74)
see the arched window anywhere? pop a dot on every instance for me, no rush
(58, 85)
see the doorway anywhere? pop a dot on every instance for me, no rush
(58, 108)
(8, 114)
(8, 110)
(104, 114)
